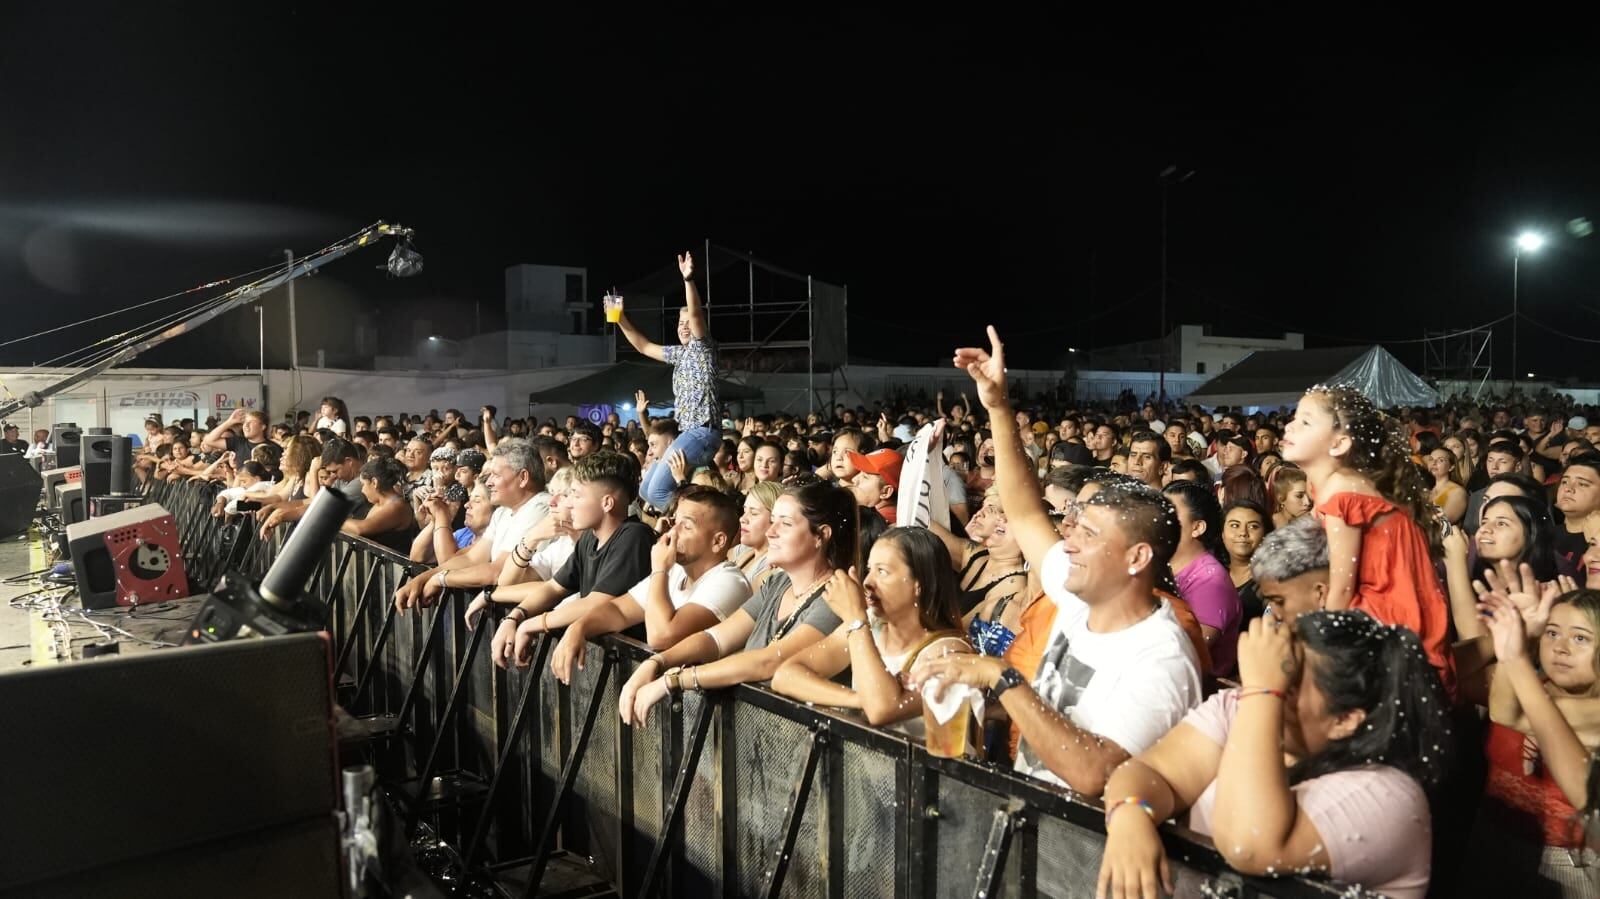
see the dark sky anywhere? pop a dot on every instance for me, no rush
(1355, 185)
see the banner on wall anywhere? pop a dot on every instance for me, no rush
(156, 400)
(595, 415)
(227, 402)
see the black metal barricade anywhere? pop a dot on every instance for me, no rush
(736, 793)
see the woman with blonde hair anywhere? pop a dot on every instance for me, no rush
(751, 553)
(1290, 500)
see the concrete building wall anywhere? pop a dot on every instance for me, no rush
(1211, 354)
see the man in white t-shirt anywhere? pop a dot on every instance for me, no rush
(515, 477)
(691, 586)
(1118, 671)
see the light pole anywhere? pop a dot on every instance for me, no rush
(1169, 176)
(1530, 242)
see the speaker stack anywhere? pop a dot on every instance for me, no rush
(107, 463)
(66, 438)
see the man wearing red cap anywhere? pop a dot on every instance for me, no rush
(877, 478)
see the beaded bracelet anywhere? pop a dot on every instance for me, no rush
(1247, 692)
(1129, 800)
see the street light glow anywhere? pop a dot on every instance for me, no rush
(1530, 241)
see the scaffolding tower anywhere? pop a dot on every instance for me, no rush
(1459, 356)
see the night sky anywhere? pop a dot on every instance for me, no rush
(1357, 185)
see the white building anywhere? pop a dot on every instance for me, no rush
(1190, 349)
(547, 325)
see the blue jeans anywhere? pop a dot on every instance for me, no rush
(699, 446)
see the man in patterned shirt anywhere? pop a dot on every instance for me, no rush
(694, 387)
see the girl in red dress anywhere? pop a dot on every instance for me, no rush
(1376, 510)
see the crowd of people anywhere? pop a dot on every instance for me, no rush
(1340, 641)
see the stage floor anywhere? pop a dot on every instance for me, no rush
(24, 616)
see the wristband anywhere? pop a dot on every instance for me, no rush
(1129, 800)
(441, 580)
(854, 626)
(696, 670)
(519, 617)
(658, 658)
(1247, 692)
(674, 684)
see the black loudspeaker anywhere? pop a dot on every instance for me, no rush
(233, 792)
(70, 503)
(66, 437)
(19, 494)
(121, 464)
(98, 452)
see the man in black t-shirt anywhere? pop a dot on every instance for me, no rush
(251, 424)
(611, 556)
(1577, 498)
(12, 442)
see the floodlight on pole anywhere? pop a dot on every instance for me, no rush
(1527, 242)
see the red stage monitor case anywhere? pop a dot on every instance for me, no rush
(128, 558)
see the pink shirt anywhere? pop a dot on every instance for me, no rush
(1205, 585)
(1374, 822)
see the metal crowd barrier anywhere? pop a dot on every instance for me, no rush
(738, 793)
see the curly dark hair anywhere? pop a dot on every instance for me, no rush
(1381, 669)
(1381, 451)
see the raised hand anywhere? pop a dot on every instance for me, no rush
(987, 369)
(1266, 655)
(686, 265)
(1517, 584)
(439, 509)
(1506, 628)
(640, 401)
(665, 553)
(845, 596)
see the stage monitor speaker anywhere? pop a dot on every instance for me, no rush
(54, 476)
(96, 432)
(121, 464)
(200, 771)
(65, 438)
(19, 494)
(128, 558)
(70, 502)
(110, 505)
(96, 450)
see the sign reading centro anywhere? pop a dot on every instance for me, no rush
(161, 399)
